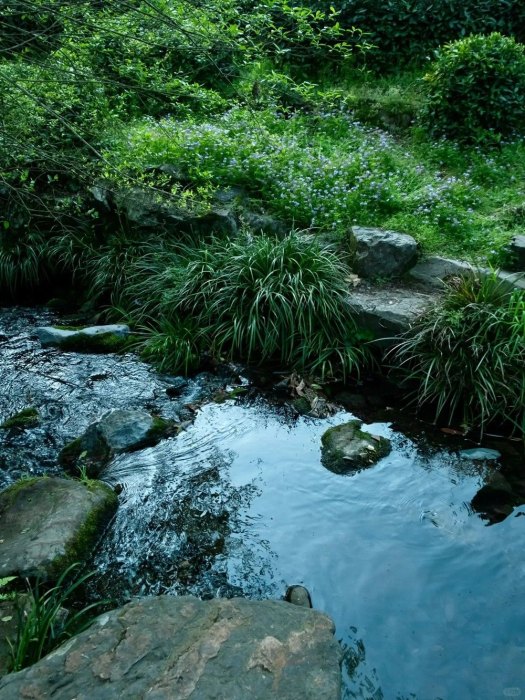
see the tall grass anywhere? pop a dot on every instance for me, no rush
(467, 357)
(260, 298)
(43, 621)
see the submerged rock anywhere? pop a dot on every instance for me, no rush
(480, 453)
(298, 595)
(381, 253)
(168, 648)
(26, 418)
(347, 448)
(109, 338)
(49, 523)
(117, 431)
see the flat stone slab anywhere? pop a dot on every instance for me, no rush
(517, 251)
(169, 648)
(433, 272)
(91, 338)
(388, 312)
(49, 523)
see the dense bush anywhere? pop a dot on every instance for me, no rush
(262, 299)
(467, 357)
(404, 30)
(476, 89)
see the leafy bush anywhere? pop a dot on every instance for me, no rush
(262, 299)
(476, 89)
(410, 29)
(467, 357)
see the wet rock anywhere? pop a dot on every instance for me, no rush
(387, 313)
(495, 500)
(110, 338)
(382, 253)
(478, 453)
(433, 272)
(347, 448)
(177, 386)
(168, 647)
(48, 523)
(298, 595)
(122, 430)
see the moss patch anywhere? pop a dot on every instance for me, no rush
(102, 343)
(26, 418)
(82, 546)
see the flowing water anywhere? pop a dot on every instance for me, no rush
(426, 597)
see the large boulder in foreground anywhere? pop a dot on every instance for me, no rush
(346, 448)
(168, 648)
(48, 523)
(120, 430)
(382, 253)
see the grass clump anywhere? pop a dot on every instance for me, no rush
(260, 299)
(467, 357)
(44, 623)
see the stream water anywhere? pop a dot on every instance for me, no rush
(427, 598)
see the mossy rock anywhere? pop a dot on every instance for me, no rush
(123, 430)
(94, 339)
(346, 448)
(26, 418)
(50, 523)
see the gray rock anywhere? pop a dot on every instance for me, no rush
(511, 280)
(298, 595)
(387, 313)
(517, 251)
(382, 253)
(433, 272)
(121, 430)
(169, 648)
(346, 448)
(93, 338)
(155, 212)
(262, 223)
(48, 523)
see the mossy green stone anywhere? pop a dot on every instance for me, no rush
(49, 523)
(26, 418)
(347, 448)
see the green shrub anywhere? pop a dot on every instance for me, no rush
(409, 30)
(467, 357)
(262, 299)
(476, 89)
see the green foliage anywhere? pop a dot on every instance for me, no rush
(44, 623)
(26, 418)
(408, 30)
(476, 89)
(467, 357)
(260, 299)
(173, 346)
